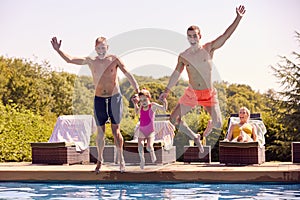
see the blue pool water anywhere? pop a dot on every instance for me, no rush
(22, 190)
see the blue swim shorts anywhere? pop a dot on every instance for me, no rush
(108, 108)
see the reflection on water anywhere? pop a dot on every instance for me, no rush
(15, 190)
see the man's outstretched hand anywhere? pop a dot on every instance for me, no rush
(240, 10)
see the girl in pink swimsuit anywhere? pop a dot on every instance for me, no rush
(146, 110)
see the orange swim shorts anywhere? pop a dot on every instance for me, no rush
(191, 97)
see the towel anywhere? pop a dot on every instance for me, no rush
(76, 129)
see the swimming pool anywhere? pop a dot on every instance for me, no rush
(23, 190)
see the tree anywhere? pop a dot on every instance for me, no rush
(62, 92)
(25, 85)
(288, 73)
(83, 96)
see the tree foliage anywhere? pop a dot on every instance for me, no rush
(25, 84)
(62, 92)
(288, 73)
(82, 97)
(18, 128)
(284, 106)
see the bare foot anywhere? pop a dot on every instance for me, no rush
(153, 156)
(98, 167)
(208, 128)
(122, 166)
(199, 145)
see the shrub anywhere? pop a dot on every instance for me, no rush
(19, 127)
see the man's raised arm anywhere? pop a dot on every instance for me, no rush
(240, 11)
(69, 59)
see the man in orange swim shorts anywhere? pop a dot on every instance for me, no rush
(197, 60)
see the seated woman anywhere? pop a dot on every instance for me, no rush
(242, 131)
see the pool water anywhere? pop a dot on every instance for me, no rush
(23, 190)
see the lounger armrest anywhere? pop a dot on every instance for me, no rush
(238, 144)
(51, 144)
(162, 117)
(134, 143)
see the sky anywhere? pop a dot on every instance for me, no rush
(149, 35)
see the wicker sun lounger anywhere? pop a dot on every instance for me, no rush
(58, 153)
(238, 153)
(163, 156)
(242, 153)
(295, 152)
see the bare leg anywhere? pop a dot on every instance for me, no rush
(100, 142)
(208, 129)
(216, 121)
(119, 144)
(175, 118)
(150, 148)
(141, 152)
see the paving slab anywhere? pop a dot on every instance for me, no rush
(174, 172)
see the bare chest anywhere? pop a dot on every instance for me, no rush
(199, 61)
(104, 68)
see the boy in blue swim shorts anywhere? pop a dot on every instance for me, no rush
(108, 99)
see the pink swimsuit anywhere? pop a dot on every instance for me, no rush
(147, 121)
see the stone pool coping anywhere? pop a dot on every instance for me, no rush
(175, 172)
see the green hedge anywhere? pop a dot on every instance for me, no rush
(18, 128)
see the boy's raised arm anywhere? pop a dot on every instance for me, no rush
(69, 59)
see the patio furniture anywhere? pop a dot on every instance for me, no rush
(244, 153)
(163, 156)
(109, 154)
(191, 154)
(69, 142)
(296, 152)
(238, 153)
(58, 153)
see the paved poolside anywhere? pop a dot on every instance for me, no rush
(174, 172)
